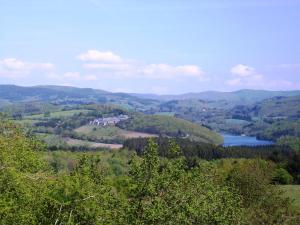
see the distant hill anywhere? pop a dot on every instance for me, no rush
(69, 95)
(241, 96)
(271, 118)
(50, 93)
(276, 107)
(269, 114)
(60, 94)
(279, 107)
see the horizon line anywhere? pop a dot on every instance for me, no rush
(148, 93)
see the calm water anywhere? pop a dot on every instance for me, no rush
(233, 140)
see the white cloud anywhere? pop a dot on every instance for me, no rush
(95, 55)
(15, 64)
(12, 67)
(242, 70)
(192, 70)
(246, 76)
(168, 71)
(109, 64)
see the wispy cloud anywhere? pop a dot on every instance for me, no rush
(242, 70)
(169, 71)
(108, 63)
(246, 76)
(14, 68)
(101, 56)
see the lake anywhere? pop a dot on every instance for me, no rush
(234, 140)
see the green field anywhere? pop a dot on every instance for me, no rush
(165, 113)
(293, 192)
(90, 144)
(107, 134)
(110, 134)
(60, 142)
(51, 139)
(59, 114)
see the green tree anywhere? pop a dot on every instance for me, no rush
(262, 201)
(281, 176)
(164, 192)
(22, 178)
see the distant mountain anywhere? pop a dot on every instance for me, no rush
(74, 95)
(69, 95)
(241, 96)
(48, 93)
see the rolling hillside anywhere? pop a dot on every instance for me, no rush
(242, 96)
(69, 95)
(285, 107)
(49, 93)
(171, 126)
(74, 123)
(61, 110)
(270, 119)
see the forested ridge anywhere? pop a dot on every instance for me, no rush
(284, 156)
(122, 187)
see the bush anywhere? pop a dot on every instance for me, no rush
(281, 176)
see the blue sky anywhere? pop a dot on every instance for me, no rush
(153, 46)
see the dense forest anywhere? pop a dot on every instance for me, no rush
(57, 168)
(287, 159)
(121, 187)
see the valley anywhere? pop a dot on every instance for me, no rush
(74, 113)
(73, 139)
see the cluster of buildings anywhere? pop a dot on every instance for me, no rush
(109, 120)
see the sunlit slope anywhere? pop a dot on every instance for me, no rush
(171, 126)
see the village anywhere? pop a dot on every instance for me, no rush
(106, 121)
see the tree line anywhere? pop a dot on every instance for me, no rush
(283, 155)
